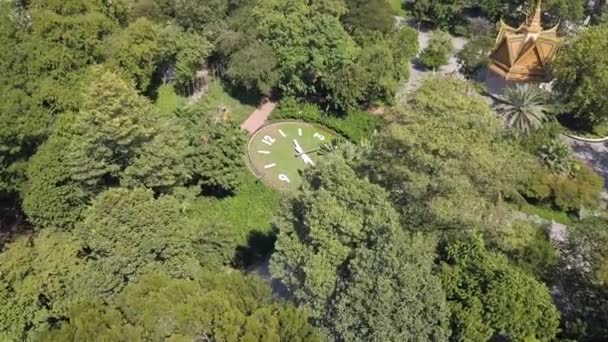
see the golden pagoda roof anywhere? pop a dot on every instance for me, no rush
(524, 53)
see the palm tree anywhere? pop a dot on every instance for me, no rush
(523, 107)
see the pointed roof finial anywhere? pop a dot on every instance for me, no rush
(534, 24)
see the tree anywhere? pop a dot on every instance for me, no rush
(437, 53)
(161, 163)
(443, 13)
(197, 16)
(254, 67)
(129, 232)
(38, 276)
(185, 51)
(336, 214)
(373, 78)
(473, 57)
(580, 70)
(490, 298)
(217, 306)
(390, 294)
(46, 46)
(133, 52)
(217, 159)
(369, 15)
(95, 145)
(443, 152)
(523, 107)
(342, 254)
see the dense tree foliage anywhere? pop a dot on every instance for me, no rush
(490, 298)
(127, 213)
(444, 152)
(580, 70)
(369, 15)
(226, 307)
(340, 251)
(96, 144)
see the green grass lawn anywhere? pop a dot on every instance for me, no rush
(217, 98)
(248, 213)
(168, 100)
(548, 214)
(273, 156)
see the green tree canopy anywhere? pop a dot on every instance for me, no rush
(216, 161)
(342, 255)
(390, 294)
(581, 70)
(118, 137)
(369, 15)
(220, 307)
(490, 298)
(134, 52)
(443, 157)
(128, 232)
(38, 276)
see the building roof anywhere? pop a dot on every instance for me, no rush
(524, 53)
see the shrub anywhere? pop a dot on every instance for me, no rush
(355, 126)
(436, 54)
(567, 192)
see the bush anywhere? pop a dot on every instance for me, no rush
(527, 244)
(436, 54)
(567, 192)
(355, 126)
(474, 56)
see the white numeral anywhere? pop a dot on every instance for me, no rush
(268, 140)
(283, 178)
(319, 136)
(299, 131)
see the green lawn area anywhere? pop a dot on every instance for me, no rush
(247, 213)
(217, 98)
(168, 100)
(548, 214)
(272, 152)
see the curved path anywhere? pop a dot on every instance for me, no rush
(259, 117)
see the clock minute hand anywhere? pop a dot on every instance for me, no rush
(298, 147)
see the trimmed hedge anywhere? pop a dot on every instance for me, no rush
(355, 126)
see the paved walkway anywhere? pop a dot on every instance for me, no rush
(596, 156)
(259, 116)
(419, 73)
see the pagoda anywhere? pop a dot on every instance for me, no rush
(523, 54)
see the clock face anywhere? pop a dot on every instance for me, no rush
(279, 152)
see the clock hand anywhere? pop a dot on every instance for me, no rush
(298, 147)
(307, 152)
(307, 159)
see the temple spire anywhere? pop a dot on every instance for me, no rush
(534, 25)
